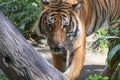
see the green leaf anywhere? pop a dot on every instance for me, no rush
(114, 22)
(22, 28)
(116, 75)
(23, 13)
(108, 37)
(112, 52)
(105, 38)
(2, 77)
(96, 77)
(116, 31)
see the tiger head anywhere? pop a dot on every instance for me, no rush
(60, 24)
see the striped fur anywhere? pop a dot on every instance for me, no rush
(94, 13)
(66, 23)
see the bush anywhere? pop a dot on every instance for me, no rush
(114, 45)
(23, 13)
(100, 45)
(114, 50)
(2, 77)
(96, 77)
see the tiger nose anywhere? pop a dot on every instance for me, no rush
(57, 43)
(56, 39)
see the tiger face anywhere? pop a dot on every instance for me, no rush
(60, 24)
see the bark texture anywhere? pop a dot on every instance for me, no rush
(19, 60)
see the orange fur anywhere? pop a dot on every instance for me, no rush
(58, 59)
(70, 1)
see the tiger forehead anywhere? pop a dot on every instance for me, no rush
(59, 15)
(61, 6)
(60, 12)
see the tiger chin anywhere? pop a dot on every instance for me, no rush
(60, 24)
(66, 23)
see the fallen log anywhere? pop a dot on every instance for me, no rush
(19, 60)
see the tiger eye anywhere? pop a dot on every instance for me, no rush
(65, 26)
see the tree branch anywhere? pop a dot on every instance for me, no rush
(19, 60)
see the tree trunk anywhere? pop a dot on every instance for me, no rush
(19, 60)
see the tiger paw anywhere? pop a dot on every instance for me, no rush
(72, 74)
(69, 76)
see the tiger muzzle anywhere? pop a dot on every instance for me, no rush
(56, 41)
(58, 49)
(56, 46)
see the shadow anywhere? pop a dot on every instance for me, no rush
(90, 69)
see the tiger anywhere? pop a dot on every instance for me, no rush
(67, 23)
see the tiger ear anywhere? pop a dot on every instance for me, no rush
(76, 7)
(44, 4)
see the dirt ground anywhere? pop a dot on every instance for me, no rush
(94, 61)
(94, 64)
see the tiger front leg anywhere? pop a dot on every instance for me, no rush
(77, 63)
(58, 62)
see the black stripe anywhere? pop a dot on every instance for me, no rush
(76, 30)
(107, 6)
(95, 21)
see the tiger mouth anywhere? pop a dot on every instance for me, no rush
(58, 49)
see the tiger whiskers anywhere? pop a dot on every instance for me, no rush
(67, 58)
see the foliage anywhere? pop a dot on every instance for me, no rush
(102, 35)
(111, 54)
(114, 48)
(101, 32)
(23, 13)
(116, 75)
(101, 43)
(115, 45)
(96, 77)
(2, 77)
